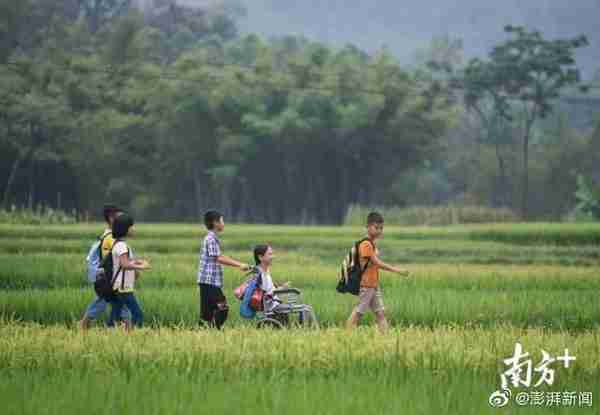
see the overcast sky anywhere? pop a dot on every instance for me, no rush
(405, 26)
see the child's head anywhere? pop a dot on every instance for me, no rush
(214, 221)
(110, 212)
(263, 255)
(375, 225)
(122, 226)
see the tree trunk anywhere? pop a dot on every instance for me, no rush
(11, 178)
(342, 206)
(197, 190)
(31, 197)
(525, 182)
(226, 203)
(503, 182)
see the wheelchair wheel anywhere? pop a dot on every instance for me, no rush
(270, 323)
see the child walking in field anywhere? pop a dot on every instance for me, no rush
(213, 304)
(125, 272)
(370, 295)
(98, 305)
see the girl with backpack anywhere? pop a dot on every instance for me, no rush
(100, 249)
(125, 273)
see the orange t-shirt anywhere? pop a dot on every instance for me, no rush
(370, 278)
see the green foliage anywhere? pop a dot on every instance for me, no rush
(40, 216)
(193, 116)
(525, 68)
(588, 199)
(146, 96)
(432, 216)
(522, 79)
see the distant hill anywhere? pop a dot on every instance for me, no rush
(405, 26)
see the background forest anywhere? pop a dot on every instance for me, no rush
(169, 109)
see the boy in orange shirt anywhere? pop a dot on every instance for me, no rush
(370, 296)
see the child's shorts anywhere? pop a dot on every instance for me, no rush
(370, 299)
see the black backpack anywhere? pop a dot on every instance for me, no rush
(104, 279)
(351, 272)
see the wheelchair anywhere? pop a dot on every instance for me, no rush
(290, 312)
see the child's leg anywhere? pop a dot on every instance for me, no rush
(137, 316)
(353, 320)
(116, 311)
(378, 309)
(365, 297)
(93, 310)
(125, 314)
(382, 323)
(206, 311)
(221, 309)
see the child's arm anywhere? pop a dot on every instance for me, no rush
(375, 260)
(128, 264)
(138, 274)
(225, 260)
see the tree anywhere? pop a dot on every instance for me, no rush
(523, 76)
(588, 198)
(99, 12)
(34, 115)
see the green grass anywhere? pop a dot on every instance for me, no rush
(412, 370)
(331, 250)
(432, 215)
(406, 306)
(474, 292)
(523, 234)
(47, 270)
(169, 391)
(236, 350)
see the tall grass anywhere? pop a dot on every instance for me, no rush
(41, 215)
(530, 284)
(50, 270)
(332, 249)
(432, 215)
(195, 391)
(475, 291)
(240, 349)
(573, 309)
(249, 235)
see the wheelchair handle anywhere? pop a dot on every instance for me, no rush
(287, 291)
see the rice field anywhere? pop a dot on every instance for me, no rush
(474, 292)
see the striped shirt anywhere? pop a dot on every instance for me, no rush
(210, 271)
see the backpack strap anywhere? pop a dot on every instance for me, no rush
(123, 276)
(112, 281)
(120, 269)
(357, 259)
(258, 274)
(101, 238)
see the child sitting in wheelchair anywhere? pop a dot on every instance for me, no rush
(279, 301)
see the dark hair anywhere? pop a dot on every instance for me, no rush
(374, 218)
(210, 218)
(260, 250)
(121, 225)
(108, 211)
